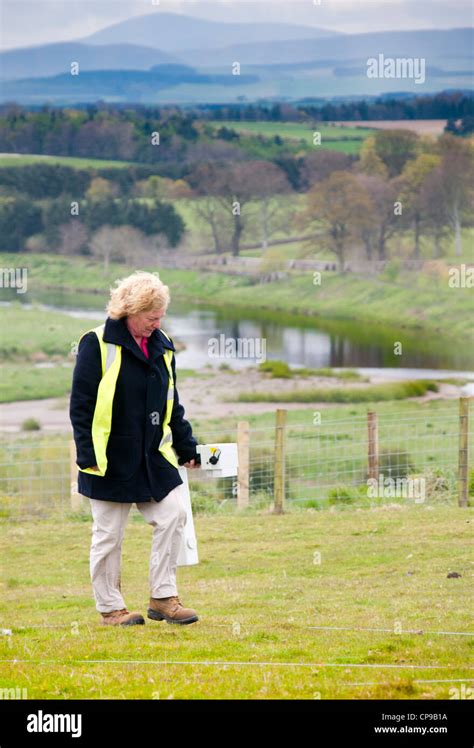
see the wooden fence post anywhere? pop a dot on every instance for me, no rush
(243, 469)
(373, 444)
(77, 502)
(279, 467)
(463, 459)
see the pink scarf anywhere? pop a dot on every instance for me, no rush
(144, 346)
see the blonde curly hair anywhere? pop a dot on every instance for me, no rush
(139, 292)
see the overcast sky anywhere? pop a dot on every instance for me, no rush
(29, 22)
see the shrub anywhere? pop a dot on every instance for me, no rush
(278, 369)
(342, 495)
(30, 424)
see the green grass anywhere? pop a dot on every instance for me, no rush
(372, 393)
(340, 413)
(327, 372)
(281, 370)
(20, 382)
(258, 589)
(35, 352)
(347, 139)
(50, 271)
(27, 331)
(16, 159)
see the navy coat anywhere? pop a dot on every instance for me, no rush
(136, 470)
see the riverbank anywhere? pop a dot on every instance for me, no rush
(37, 343)
(414, 302)
(37, 355)
(220, 394)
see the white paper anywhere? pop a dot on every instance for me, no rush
(188, 554)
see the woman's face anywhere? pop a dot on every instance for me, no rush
(143, 323)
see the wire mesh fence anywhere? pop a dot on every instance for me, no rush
(320, 463)
(336, 464)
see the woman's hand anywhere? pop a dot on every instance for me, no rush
(95, 468)
(191, 464)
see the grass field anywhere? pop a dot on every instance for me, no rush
(347, 139)
(304, 605)
(20, 159)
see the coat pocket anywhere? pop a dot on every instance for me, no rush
(123, 456)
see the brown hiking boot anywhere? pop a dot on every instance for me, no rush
(122, 618)
(169, 609)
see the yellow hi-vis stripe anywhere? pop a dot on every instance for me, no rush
(166, 443)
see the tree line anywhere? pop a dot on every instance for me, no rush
(400, 183)
(126, 133)
(451, 105)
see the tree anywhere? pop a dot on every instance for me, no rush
(382, 223)
(157, 218)
(343, 207)
(457, 189)
(19, 219)
(161, 188)
(412, 179)
(319, 165)
(105, 138)
(73, 237)
(457, 182)
(465, 126)
(230, 187)
(103, 245)
(55, 214)
(268, 182)
(370, 162)
(154, 218)
(395, 148)
(434, 207)
(216, 216)
(99, 213)
(101, 189)
(43, 180)
(133, 246)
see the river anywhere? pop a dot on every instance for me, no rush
(300, 341)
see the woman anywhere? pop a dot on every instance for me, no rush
(131, 435)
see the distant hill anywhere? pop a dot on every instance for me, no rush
(441, 48)
(172, 32)
(52, 59)
(116, 85)
(285, 70)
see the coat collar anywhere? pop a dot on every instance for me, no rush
(116, 331)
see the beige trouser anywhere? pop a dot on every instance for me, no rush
(167, 517)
